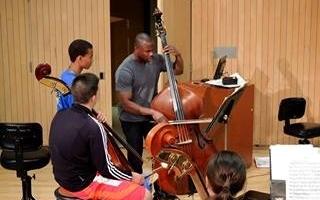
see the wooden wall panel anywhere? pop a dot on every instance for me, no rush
(177, 21)
(278, 43)
(278, 51)
(2, 90)
(37, 31)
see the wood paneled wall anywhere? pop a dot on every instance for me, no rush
(278, 43)
(36, 31)
(177, 21)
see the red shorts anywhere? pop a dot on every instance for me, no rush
(102, 188)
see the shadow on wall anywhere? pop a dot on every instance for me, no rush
(262, 118)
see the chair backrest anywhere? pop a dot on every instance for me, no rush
(29, 134)
(291, 108)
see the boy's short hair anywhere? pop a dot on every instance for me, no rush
(84, 87)
(77, 48)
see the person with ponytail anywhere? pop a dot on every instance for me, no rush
(226, 175)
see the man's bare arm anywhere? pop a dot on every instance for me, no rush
(132, 107)
(178, 65)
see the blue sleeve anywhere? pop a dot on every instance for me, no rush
(65, 102)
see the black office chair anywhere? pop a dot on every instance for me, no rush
(294, 108)
(22, 151)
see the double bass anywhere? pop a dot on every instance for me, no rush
(183, 147)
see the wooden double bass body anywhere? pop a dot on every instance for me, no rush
(183, 147)
(187, 139)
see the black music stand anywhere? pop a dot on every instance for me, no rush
(223, 113)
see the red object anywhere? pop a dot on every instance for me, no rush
(42, 70)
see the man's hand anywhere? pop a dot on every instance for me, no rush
(158, 117)
(178, 64)
(137, 178)
(169, 49)
(101, 117)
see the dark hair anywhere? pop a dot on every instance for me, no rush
(226, 173)
(142, 37)
(78, 47)
(84, 87)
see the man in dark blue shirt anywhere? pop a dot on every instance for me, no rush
(79, 153)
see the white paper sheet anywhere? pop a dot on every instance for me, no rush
(218, 82)
(299, 167)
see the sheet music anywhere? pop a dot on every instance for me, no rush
(303, 180)
(299, 167)
(281, 155)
